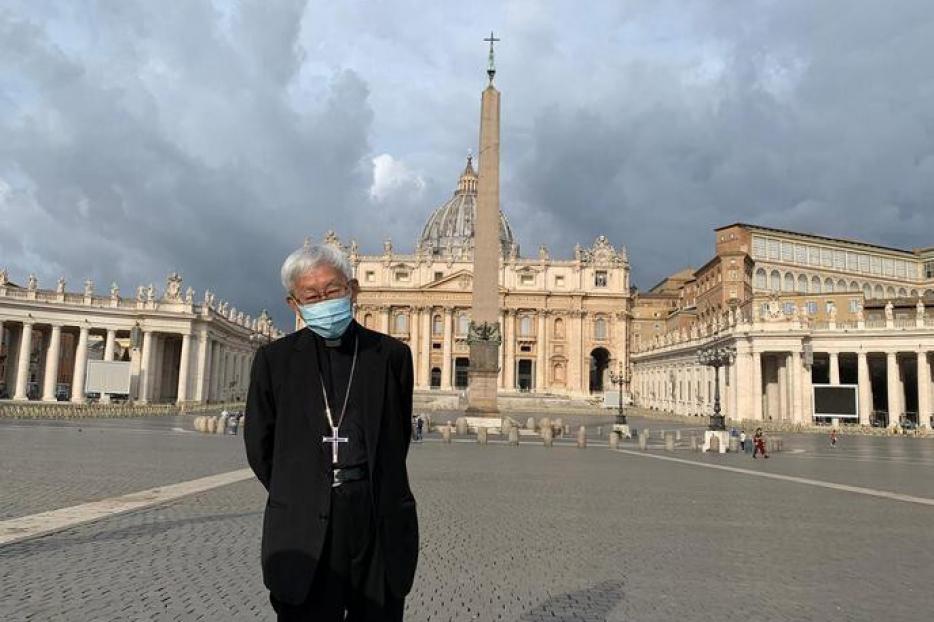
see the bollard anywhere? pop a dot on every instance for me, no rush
(694, 445)
(543, 423)
(714, 444)
(427, 419)
(677, 435)
(643, 440)
(505, 426)
(211, 425)
(599, 431)
(199, 423)
(547, 436)
(221, 424)
(446, 434)
(514, 437)
(530, 424)
(481, 436)
(558, 424)
(669, 442)
(566, 430)
(461, 426)
(582, 437)
(734, 444)
(614, 440)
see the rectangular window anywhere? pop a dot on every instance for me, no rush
(370, 276)
(801, 254)
(773, 249)
(828, 306)
(787, 251)
(864, 263)
(854, 305)
(852, 262)
(526, 279)
(929, 269)
(826, 258)
(559, 280)
(813, 255)
(758, 247)
(789, 308)
(812, 307)
(600, 278)
(875, 265)
(888, 267)
(402, 275)
(439, 276)
(900, 269)
(839, 260)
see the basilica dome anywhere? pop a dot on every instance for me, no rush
(450, 227)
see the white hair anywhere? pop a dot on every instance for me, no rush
(310, 257)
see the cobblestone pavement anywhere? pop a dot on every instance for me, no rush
(533, 534)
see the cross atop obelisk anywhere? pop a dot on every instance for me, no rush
(484, 336)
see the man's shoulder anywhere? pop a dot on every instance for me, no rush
(282, 345)
(385, 342)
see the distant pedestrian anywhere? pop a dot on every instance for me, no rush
(419, 428)
(742, 440)
(833, 437)
(758, 440)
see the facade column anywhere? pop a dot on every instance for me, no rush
(446, 348)
(158, 352)
(204, 367)
(806, 391)
(22, 364)
(145, 371)
(893, 386)
(384, 319)
(575, 335)
(52, 356)
(796, 412)
(541, 349)
(423, 377)
(834, 368)
(415, 336)
(501, 376)
(757, 386)
(81, 366)
(182, 393)
(782, 405)
(864, 392)
(215, 365)
(509, 343)
(110, 345)
(924, 389)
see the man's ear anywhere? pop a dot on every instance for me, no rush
(289, 300)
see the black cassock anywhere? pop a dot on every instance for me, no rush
(356, 543)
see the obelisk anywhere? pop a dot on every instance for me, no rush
(484, 335)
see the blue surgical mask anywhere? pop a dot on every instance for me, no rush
(328, 318)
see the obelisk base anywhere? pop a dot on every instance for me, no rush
(484, 378)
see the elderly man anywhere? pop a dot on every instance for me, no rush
(327, 431)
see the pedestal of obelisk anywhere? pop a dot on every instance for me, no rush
(484, 334)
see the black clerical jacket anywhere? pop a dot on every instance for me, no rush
(283, 430)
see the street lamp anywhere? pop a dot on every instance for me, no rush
(716, 357)
(618, 378)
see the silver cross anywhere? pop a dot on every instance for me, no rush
(334, 439)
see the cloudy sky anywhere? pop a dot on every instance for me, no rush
(140, 137)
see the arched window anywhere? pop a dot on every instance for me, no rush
(789, 282)
(867, 291)
(437, 325)
(402, 323)
(559, 328)
(815, 285)
(558, 373)
(761, 279)
(854, 286)
(463, 324)
(841, 285)
(802, 284)
(913, 293)
(368, 320)
(828, 286)
(775, 281)
(890, 291)
(599, 329)
(878, 292)
(901, 292)
(525, 326)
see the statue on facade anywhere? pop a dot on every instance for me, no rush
(4, 276)
(60, 288)
(543, 253)
(140, 294)
(889, 311)
(190, 295)
(774, 308)
(208, 298)
(232, 315)
(832, 312)
(331, 239)
(32, 283)
(859, 312)
(114, 291)
(88, 287)
(173, 287)
(577, 252)
(387, 246)
(354, 250)
(151, 293)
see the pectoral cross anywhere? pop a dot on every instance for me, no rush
(334, 439)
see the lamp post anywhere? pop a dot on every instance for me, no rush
(619, 378)
(716, 357)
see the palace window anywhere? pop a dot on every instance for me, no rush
(789, 308)
(437, 325)
(525, 326)
(828, 306)
(439, 276)
(854, 305)
(401, 324)
(812, 307)
(369, 276)
(526, 279)
(761, 279)
(929, 269)
(402, 275)
(600, 278)
(599, 329)
(559, 280)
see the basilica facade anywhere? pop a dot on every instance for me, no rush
(563, 321)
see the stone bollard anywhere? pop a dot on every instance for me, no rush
(734, 444)
(582, 437)
(567, 430)
(677, 435)
(461, 426)
(714, 444)
(530, 424)
(599, 431)
(669, 441)
(774, 444)
(558, 424)
(505, 427)
(694, 445)
(427, 419)
(543, 423)
(221, 424)
(514, 437)
(643, 440)
(548, 436)
(481, 436)
(614, 440)
(211, 427)
(445, 434)
(199, 423)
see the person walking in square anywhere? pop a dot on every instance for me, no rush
(758, 440)
(419, 428)
(327, 431)
(742, 440)
(833, 437)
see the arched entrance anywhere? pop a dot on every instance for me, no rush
(461, 377)
(524, 375)
(435, 377)
(599, 366)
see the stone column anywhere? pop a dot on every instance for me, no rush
(204, 368)
(757, 386)
(501, 376)
(158, 351)
(446, 348)
(541, 352)
(384, 319)
(51, 364)
(145, 372)
(509, 341)
(782, 406)
(805, 391)
(182, 394)
(22, 364)
(892, 386)
(415, 338)
(423, 378)
(834, 368)
(796, 412)
(110, 344)
(575, 335)
(924, 389)
(81, 366)
(864, 392)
